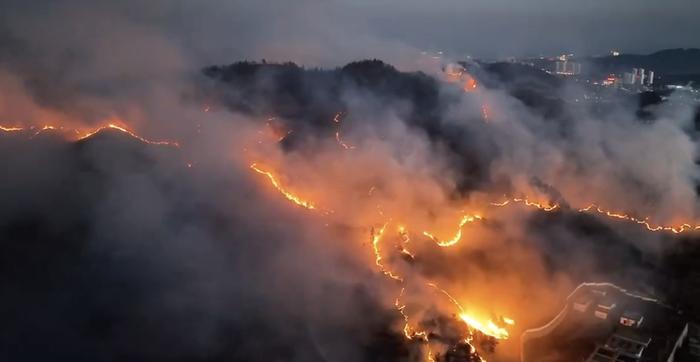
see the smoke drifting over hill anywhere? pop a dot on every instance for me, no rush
(113, 248)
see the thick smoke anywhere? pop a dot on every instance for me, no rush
(119, 250)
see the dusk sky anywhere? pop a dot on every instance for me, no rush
(335, 31)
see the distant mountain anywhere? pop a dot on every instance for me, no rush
(294, 92)
(669, 62)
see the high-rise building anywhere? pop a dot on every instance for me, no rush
(566, 67)
(639, 77)
(559, 67)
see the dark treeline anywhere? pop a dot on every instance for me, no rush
(315, 95)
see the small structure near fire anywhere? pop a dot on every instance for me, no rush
(631, 319)
(582, 303)
(604, 307)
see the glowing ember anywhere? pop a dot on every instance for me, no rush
(470, 84)
(338, 139)
(341, 143)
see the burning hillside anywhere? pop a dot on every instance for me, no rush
(373, 188)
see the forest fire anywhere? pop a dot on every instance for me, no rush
(480, 323)
(489, 329)
(276, 183)
(485, 326)
(597, 210)
(336, 120)
(458, 236)
(78, 134)
(493, 327)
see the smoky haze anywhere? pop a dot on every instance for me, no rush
(121, 250)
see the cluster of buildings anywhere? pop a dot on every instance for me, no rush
(603, 323)
(563, 66)
(637, 329)
(638, 79)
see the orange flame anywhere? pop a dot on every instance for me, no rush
(485, 326)
(644, 222)
(458, 235)
(526, 202)
(336, 120)
(470, 84)
(130, 133)
(276, 183)
(11, 129)
(376, 237)
(82, 134)
(408, 332)
(594, 209)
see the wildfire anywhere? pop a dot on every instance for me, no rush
(376, 237)
(644, 222)
(488, 328)
(336, 119)
(10, 129)
(84, 134)
(408, 332)
(495, 327)
(474, 323)
(458, 236)
(130, 133)
(276, 183)
(405, 239)
(470, 84)
(594, 209)
(485, 326)
(277, 130)
(526, 202)
(457, 74)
